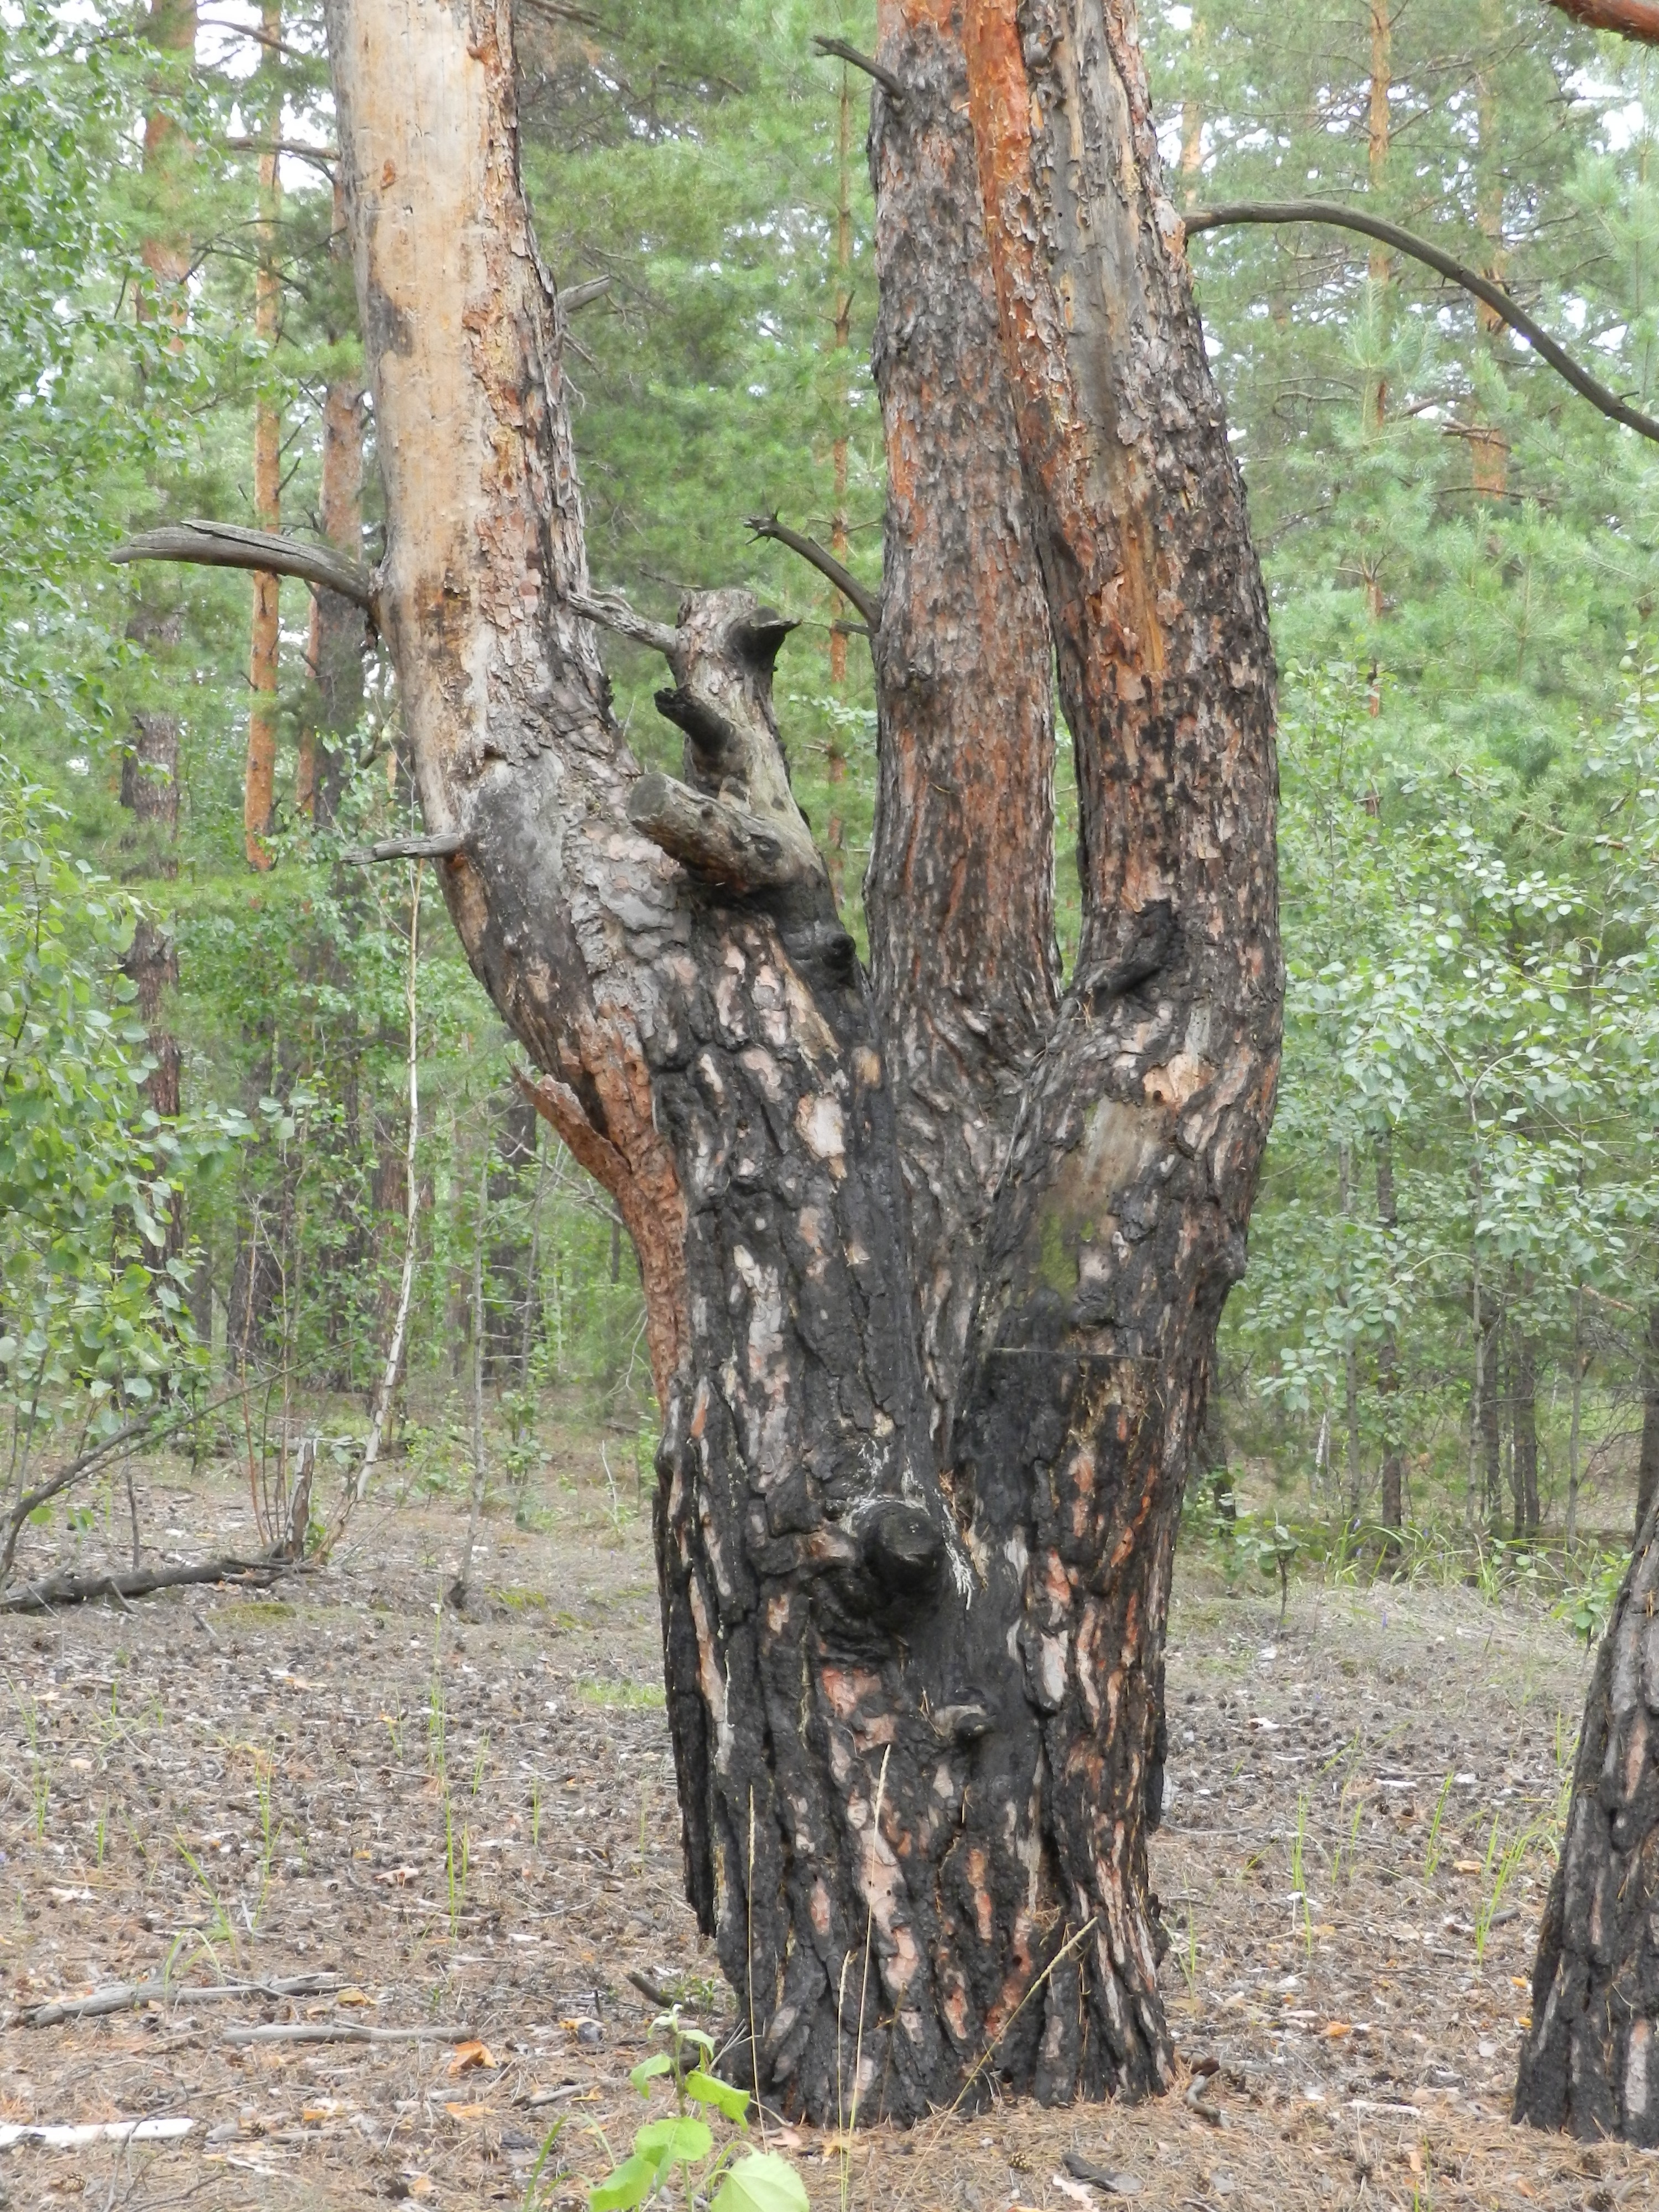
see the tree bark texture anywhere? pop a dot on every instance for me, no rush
(932, 1258)
(1591, 2063)
(1647, 1462)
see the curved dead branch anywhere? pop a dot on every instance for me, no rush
(867, 602)
(838, 49)
(204, 544)
(1418, 249)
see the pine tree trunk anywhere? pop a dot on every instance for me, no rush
(921, 1464)
(259, 775)
(1387, 1350)
(1590, 2062)
(338, 630)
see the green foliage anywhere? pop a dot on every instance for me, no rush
(87, 1173)
(756, 2181)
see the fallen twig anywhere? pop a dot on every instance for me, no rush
(94, 2131)
(77, 1589)
(342, 2031)
(125, 1996)
(647, 1988)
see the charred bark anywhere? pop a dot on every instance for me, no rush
(864, 1774)
(1590, 2062)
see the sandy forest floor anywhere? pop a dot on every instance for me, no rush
(473, 1826)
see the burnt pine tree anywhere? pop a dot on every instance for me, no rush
(933, 1255)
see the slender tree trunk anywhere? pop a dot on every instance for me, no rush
(259, 781)
(1523, 1430)
(458, 1588)
(338, 631)
(1388, 1350)
(1380, 264)
(1351, 1353)
(1192, 114)
(1489, 449)
(919, 1483)
(1489, 1379)
(1580, 1364)
(1647, 1463)
(149, 765)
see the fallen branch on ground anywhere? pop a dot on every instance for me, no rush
(329, 2031)
(77, 1589)
(123, 1997)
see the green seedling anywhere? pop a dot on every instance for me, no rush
(729, 2180)
(1501, 1868)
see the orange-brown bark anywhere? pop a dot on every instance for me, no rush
(259, 776)
(960, 891)
(1637, 19)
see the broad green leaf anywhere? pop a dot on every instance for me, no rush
(625, 2186)
(725, 2096)
(674, 2141)
(648, 2070)
(762, 2182)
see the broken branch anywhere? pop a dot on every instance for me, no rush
(205, 545)
(580, 295)
(841, 51)
(1418, 249)
(79, 1590)
(125, 1996)
(867, 602)
(442, 846)
(332, 2031)
(613, 613)
(714, 838)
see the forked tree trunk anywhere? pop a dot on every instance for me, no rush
(922, 1461)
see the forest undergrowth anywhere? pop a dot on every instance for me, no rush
(441, 1855)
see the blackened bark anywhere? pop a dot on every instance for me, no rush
(863, 1772)
(1647, 1464)
(1120, 1224)
(1590, 2062)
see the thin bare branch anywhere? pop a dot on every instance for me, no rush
(867, 602)
(841, 51)
(1419, 249)
(205, 545)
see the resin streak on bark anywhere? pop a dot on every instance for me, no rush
(1121, 1223)
(1591, 2063)
(960, 889)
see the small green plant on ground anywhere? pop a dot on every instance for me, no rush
(1587, 1605)
(679, 2150)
